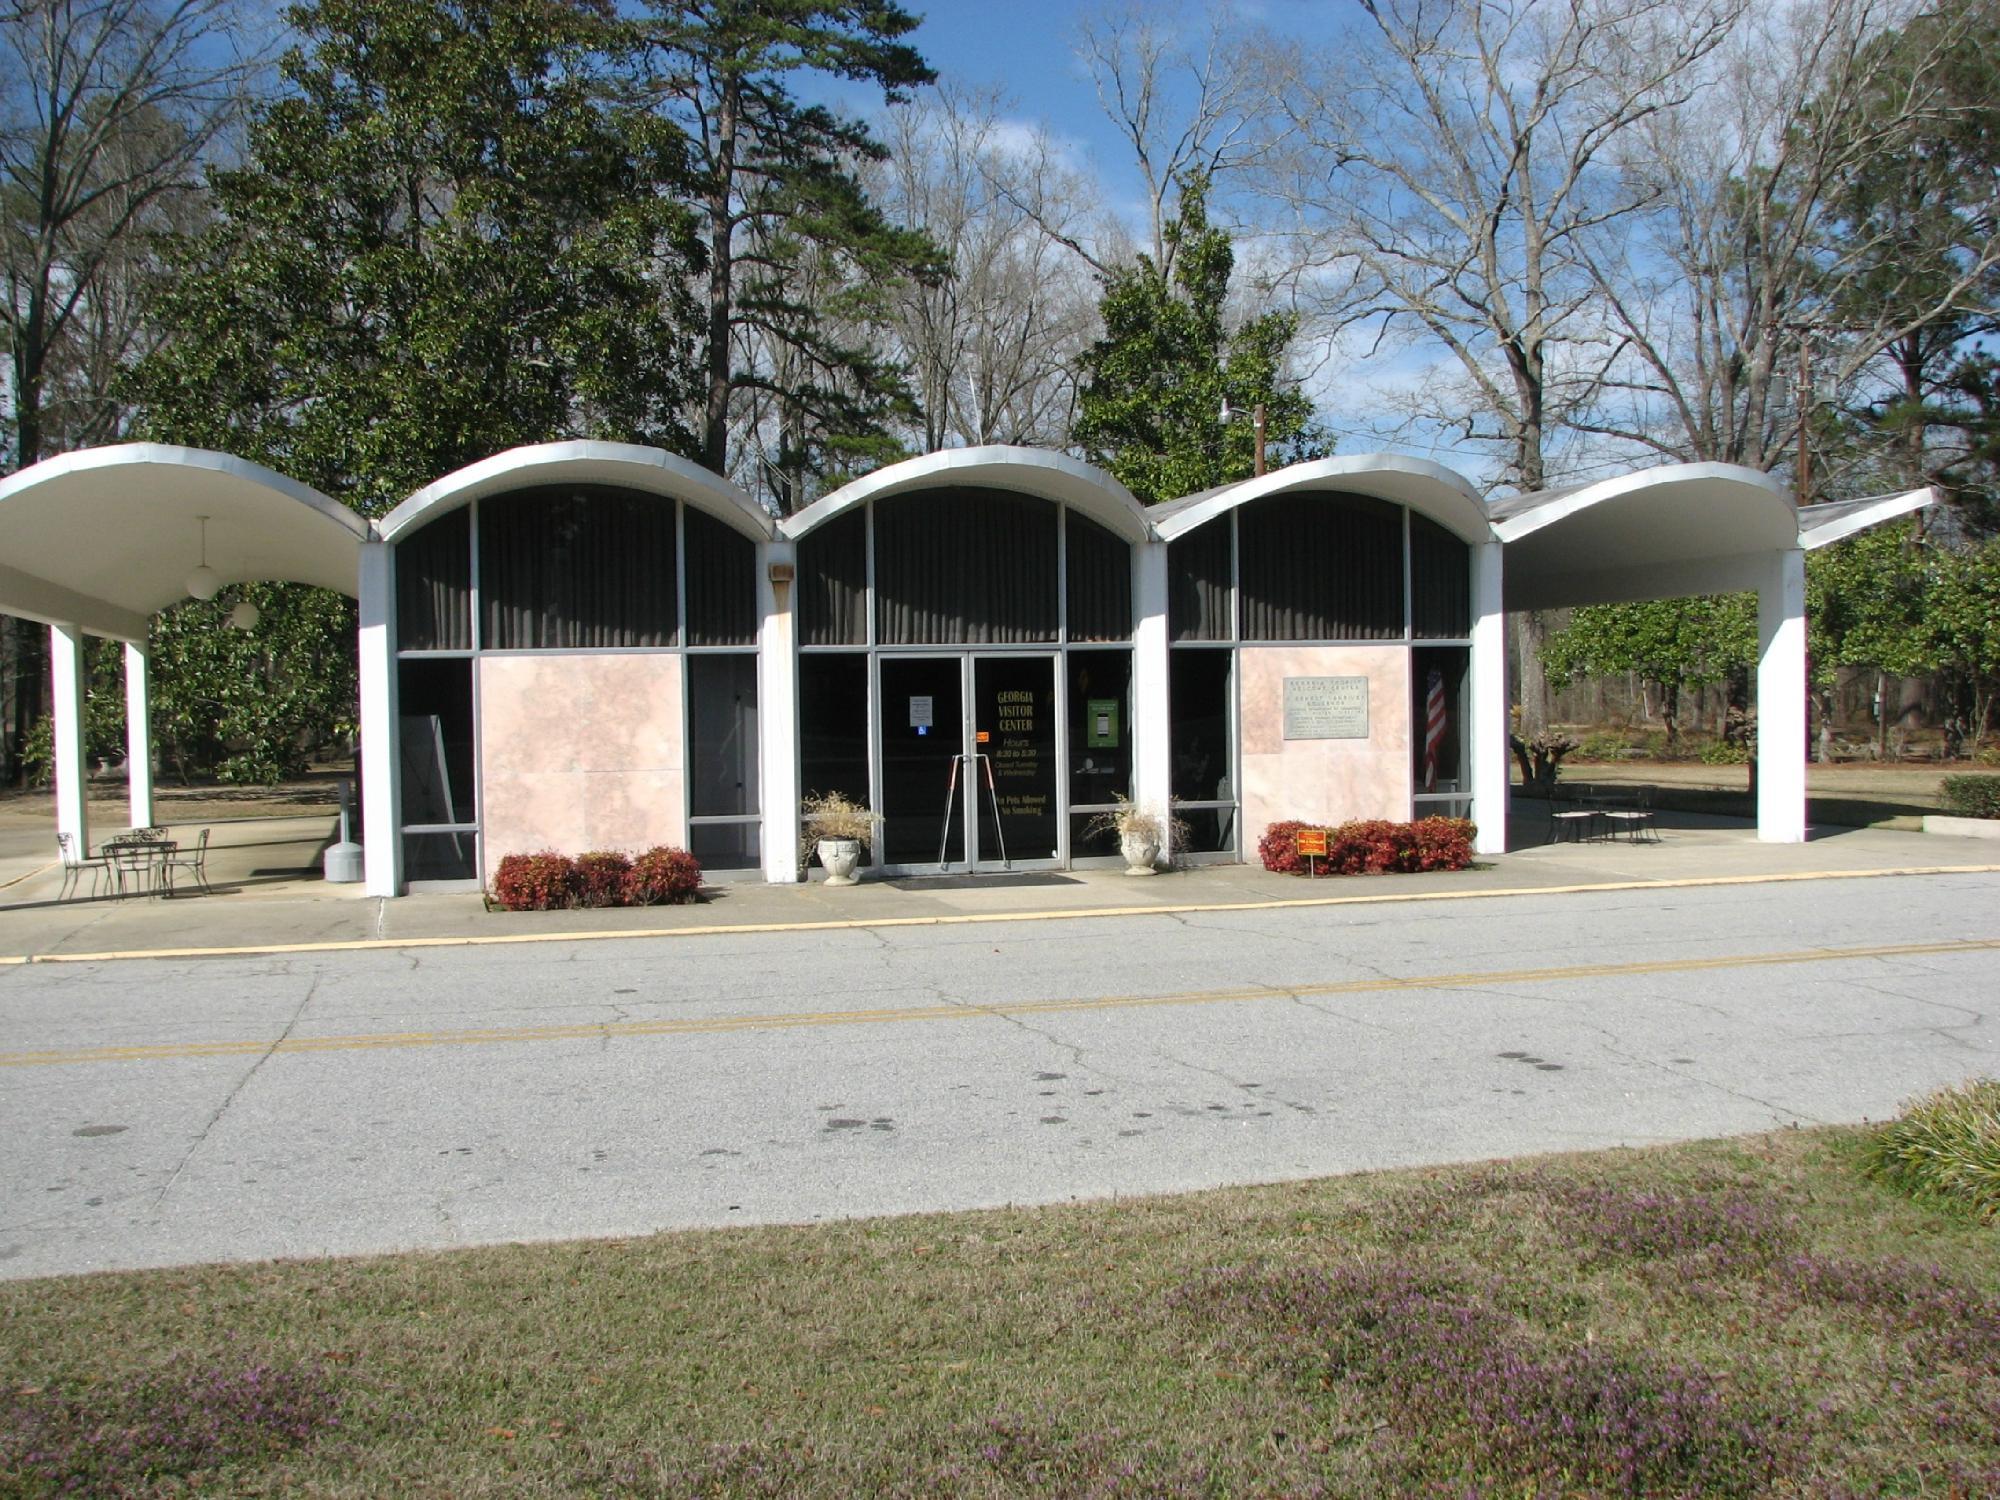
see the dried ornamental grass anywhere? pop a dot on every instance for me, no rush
(1944, 1150)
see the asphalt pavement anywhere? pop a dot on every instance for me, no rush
(345, 1100)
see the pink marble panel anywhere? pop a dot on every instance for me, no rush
(580, 752)
(1324, 780)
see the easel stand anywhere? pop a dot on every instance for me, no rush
(951, 799)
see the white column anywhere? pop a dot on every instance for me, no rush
(1486, 740)
(381, 816)
(69, 771)
(778, 713)
(1151, 727)
(1781, 700)
(138, 736)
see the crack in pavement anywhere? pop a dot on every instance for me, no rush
(1078, 1057)
(1321, 1009)
(312, 989)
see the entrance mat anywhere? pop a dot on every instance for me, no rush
(976, 882)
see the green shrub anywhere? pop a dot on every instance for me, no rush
(1725, 753)
(1944, 1150)
(1971, 796)
(1601, 744)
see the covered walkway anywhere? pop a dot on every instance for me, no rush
(98, 541)
(1687, 529)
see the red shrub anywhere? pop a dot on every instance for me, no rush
(1371, 846)
(1279, 848)
(663, 875)
(535, 882)
(1443, 843)
(603, 878)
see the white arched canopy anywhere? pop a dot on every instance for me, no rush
(1658, 534)
(1429, 489)
(1685, 529)
(103, 538)
(97, 541)
(1025, 471)
(627, 466)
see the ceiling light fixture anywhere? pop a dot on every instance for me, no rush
(204, 582)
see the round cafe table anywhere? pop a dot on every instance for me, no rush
(141, 864)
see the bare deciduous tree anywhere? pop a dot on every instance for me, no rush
(993, 348)
(1746, 246)
(107, 108)
(1182, 107)
(106, 112)
(1440, 172)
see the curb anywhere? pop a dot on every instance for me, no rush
(965, 919)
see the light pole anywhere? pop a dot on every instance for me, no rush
(1256, 414)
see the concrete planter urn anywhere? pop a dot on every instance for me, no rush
(841, 858)
(1141, 851)
(839, 829)
(1143, 837)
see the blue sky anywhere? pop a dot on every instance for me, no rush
(1027, 47)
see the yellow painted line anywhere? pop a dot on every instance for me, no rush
(961, 919)
(806, 1020)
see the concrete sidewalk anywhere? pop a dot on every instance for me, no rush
(281, 911)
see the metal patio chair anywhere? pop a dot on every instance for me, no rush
(1636, 821)
(195, 861)
(1572, 822)
(75, 862)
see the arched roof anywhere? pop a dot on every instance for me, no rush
(1430, 489)
(1656, 534)
(105, 537)
(628, 466)
(1833, 521)
(1027, 471)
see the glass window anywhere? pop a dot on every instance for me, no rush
(434, 585)
(833, 723)
(441, 856)
(1199, 704)
(1099, 586)
(1100, 727)
(1198, 567)
(721, 582)
(1100, 743)
(833, 583)
(1320, 567)
(434, 702)
(1438, 676)
(576, 568)
(722, 735)
(725, 846)
(973, 567)
(1440, 582)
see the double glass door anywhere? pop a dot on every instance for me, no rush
(969, 761)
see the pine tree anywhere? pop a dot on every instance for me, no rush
(798, 258)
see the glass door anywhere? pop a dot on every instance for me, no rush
(1015, 757)
(924, 784)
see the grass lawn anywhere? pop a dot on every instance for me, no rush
(1737, 1317)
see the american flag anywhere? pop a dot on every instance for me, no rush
(1433, 726)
